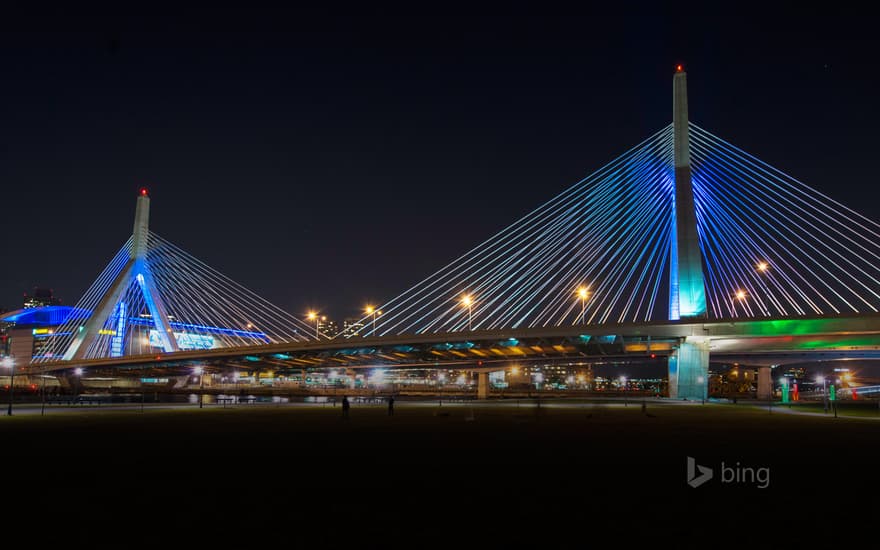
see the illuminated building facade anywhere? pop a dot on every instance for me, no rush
(42, 297)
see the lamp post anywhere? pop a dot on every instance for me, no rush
(200, 371)
(375, 313)
(9, 362)
(583, 293)
(43, 375)
(741, 296)
(623, 387)
(762, 268)
(312, 316)
(78, 372)
(468, 302)
(824, 393)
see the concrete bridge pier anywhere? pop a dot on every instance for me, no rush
(765, 383)
(482, 385)
(70, 383)
(689, 370)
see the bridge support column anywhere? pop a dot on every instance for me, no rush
(689, 370)
(765, 384)
(482, 385)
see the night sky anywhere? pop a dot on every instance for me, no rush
(330, 162)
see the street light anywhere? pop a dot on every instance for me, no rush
(762, 268)
(43, 375)
(738, 295)
(375, 313)
(314, 317)
(468, 302)
(199, 370)
(623, 388)
(78, 372)
(9, 363)
(583, 293)
(824, 393)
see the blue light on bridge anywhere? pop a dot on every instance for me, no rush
(204, 328)
(185, 340)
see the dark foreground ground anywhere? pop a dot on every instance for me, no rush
(457, 476)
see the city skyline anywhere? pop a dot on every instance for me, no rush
(293, 160)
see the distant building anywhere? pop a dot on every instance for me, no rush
(41, 297)
(327, 327)
(352, 327)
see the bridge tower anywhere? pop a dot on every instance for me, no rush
(136, 269)
(689, 364)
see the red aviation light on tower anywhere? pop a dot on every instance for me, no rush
(679, 68)
(144, 191)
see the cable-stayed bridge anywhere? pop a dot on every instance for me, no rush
(682, 247)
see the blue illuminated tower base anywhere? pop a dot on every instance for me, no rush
(689, 370)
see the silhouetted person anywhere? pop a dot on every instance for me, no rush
(345, 406)
(390, 405)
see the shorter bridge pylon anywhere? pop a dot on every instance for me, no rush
(155, 298)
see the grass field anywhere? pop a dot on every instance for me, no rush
(522, 472)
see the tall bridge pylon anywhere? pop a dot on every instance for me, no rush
(687, 289)
(685, 226)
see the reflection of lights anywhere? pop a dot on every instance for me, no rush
(198, 370)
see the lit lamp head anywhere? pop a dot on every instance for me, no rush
(763, 266)
(583, 292)
(312, 316)
(370, 310)
(740, 294)
(466, 300)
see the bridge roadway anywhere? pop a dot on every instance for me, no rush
(758, 342)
